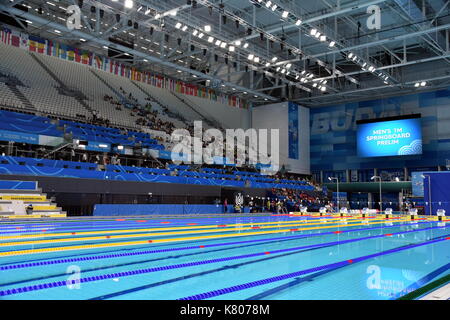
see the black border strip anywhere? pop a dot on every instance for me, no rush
(404, 117)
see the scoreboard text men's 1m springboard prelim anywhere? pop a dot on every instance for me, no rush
(394, 136)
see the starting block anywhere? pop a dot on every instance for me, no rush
(322, 211)
(440, 214)
(303, 211)
(365, 213)
(388, 213)
(413, 214)
(343, 212)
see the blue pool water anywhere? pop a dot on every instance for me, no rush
(220, 257)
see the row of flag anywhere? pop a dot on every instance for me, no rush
(65, 52)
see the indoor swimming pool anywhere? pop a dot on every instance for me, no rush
(226, 257)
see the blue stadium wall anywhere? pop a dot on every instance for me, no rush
(437, 192)
(333, 135)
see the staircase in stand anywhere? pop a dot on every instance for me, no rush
(122, 98)
(212, 123)
(78, 97)
(167, 110)
(19, 95)
(16, 196)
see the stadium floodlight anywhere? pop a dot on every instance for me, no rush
(315, 85)
(184, 28)
(267, 64)
(246, 45)
(238, 42)
(223, 45)
(423, 83)
(231, 48)
(128, 4)
(256, 59)
(278, 69)
(210, 39)
(195, 32)
(274, 7)
(288, 65)
(201, 35)
(299, 22)
(285, 14)
(323, 38)
(274, 59)
(207, 28)
(218, 42)
(313, 32)
(173, 13)
(417, 84)
(323, 88)
(317, 35)
(157, 16)
(268, 4)
(283, 71)
(250, 56)
(147, 11)
(332, 44)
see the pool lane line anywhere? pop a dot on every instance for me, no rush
(219, 292)
(198, 247)
(132, 218)
(156, 246)
(30, 232)
(131, 223)
(146, 242)
(197, 263)
(132, 233)
(172, 233)
(194, 227)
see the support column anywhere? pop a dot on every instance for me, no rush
(370, 200)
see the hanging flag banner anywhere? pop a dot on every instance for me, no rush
(65, 52)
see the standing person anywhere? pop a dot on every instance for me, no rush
(250, 204)
(29, 209)
(225, 205)
(279, 206)
(84, 158)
